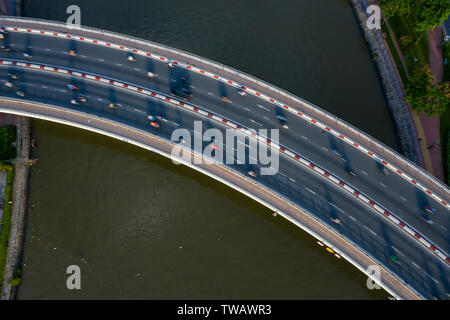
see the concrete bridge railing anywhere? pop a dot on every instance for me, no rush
(378, 148)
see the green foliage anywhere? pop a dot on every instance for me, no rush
(17, 278)
(392, 8)
(6, 219)
(405, 40)
(448, 157)
(7, 137)
(430, 14)
(423, 95)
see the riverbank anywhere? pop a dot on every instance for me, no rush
(401, 113)
(16, 218)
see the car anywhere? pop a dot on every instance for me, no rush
(72, 87)
(427, 219)
(336, 220)
(224, 99)
(27, 55)
(75, 102)
(170, 64)
(4, 48)
(241, 92)
(282, 120)
(9, 84)
(1, 35)
(72, 53)
(251, 173)
(182, 93)
(162, 118)
(151, 74)
(82, 98)
(13, 76)
(112, 105)
(430, 210)
(130, 57)
(20, 93)
(154, 124)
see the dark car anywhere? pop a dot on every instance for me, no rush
(282, 120)
(182, 92)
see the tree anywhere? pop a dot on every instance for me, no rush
(423, 95)
(392, 8)
(430, 14)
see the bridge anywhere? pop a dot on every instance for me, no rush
(362, 200)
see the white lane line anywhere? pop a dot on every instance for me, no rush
(253, 121)
(364, 172)
(403, 199)
(324, 148)
(335, 206)
(137, 69)
(192, 87)
(100, 59)
(310, 190)
(262, 107)
(44, 87)
(431, 277)
(173, 80)
(100, 99)
(247, 109)
(398, 251)
(415, 264)
(292, 179)
(283, 174)
(304, 137)
(266, 118)
(351, 217)
(47, 49)
(119, 64)
(370, 230)
(137, 110)
(210, 93)
(382, 184)
(83, 56)
(444, 228)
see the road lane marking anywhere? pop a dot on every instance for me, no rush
(382, 184)
(100, 59)
(335, 206)
(415, 264)
(310, 190)
(304, 137)
(324, 148)
(370, 230)
(403, 199)
(292, 179)
(253, 121)
(262, 107)
(351, 217)
(364, 172)
(266, 118)
(210, 93)
(137, 69)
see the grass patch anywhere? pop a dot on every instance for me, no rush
(5, 224)
(398, 62)
(417, 48)
(7, 137)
